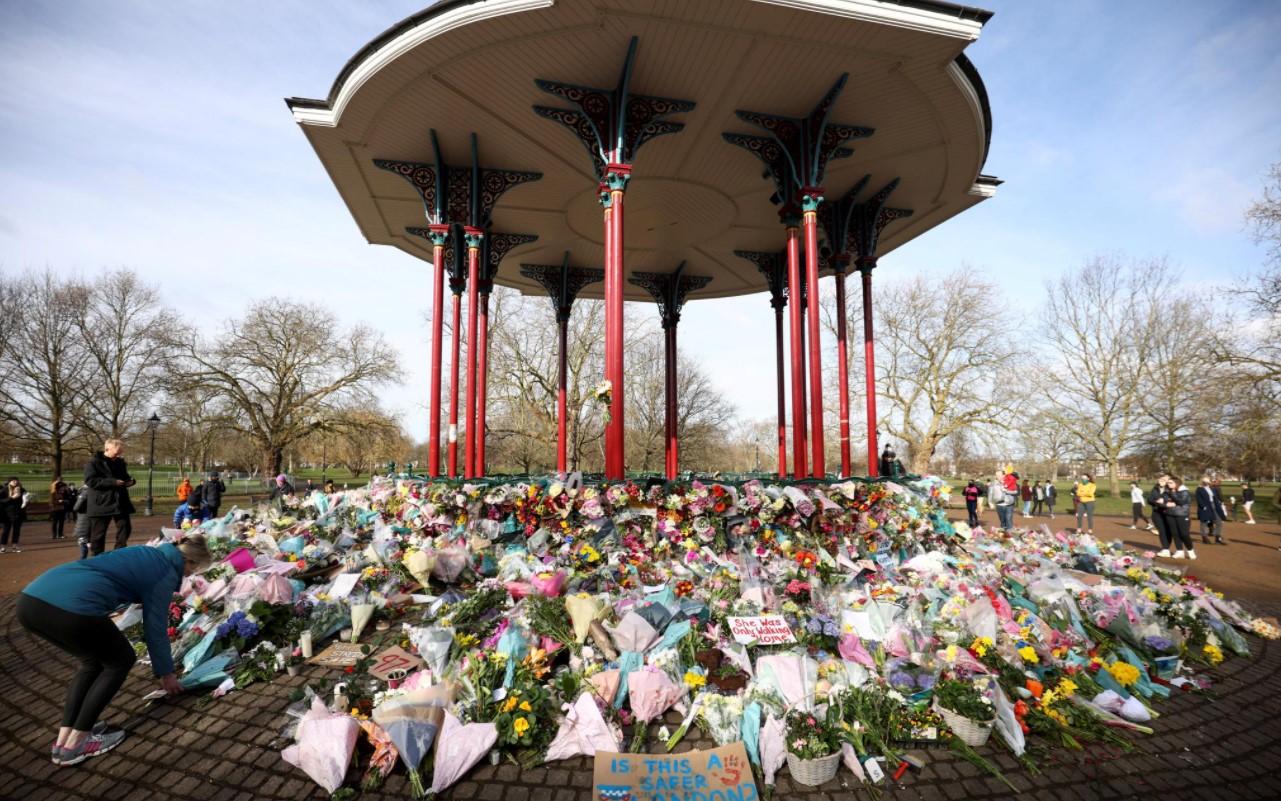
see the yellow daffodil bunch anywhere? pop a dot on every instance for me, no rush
(981, 645)
(1124, 673)
(1213, 653)
(694, 680)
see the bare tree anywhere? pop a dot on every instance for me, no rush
(522, 382)
(47, 377)
(123, 328)
(1182, 378)
(1099, 320)
(1264, 218)
(703, 415)
(942, 362)
(358, 438)
(285, 367)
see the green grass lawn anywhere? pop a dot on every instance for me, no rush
(37, 477)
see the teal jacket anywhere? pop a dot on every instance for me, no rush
(101, 585)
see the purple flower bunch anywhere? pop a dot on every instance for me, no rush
(907, 680)
(823, 625)
(238, 625)
(1159, 644)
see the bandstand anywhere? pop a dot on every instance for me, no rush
(731, 147)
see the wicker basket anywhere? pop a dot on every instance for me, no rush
(972, 732)
(813, 772)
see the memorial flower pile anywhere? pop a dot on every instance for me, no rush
(551, 616)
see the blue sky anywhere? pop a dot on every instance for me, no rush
(153, 135)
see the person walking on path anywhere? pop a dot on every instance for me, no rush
(971, 493)
(1076, 500)
(982, 492)
(107, 482)
(1164, 529)
(1209, 513)
(1085, 503)
(214, 490)
(13, 512)
(1002, 499)
(184, 490)
(69, 606)
(1038, 499)
(1178, 506)
(1247, 502)
(58, 492)
(1216, 489)
(1026, 492)
(1137, 501)
(1051, 495)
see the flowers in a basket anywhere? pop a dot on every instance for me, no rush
(813, 748)
(966, 709)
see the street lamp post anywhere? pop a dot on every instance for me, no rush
(153, 423)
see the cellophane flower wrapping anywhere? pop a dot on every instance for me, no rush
(325, 741)
(458, 748)
(582, 732)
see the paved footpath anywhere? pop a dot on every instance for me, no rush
(1223, 746)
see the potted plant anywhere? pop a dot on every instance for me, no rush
(728, 678)
(965, 709)
(293, 662)
(813, 748)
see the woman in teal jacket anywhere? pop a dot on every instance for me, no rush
(70, 606)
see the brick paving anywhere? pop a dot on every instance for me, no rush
(1226, 745)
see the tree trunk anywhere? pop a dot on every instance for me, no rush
(272, 460)
(1113, 479)
(56, 461)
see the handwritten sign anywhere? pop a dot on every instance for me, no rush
(763, 630)
(718, 774)
(393, 658)
(340, 654)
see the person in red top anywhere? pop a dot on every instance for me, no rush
(972, 494)
(1026, 494)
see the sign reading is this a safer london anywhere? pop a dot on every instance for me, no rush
(717, 774)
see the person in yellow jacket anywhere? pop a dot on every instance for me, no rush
(1085, 495)
(184, 490)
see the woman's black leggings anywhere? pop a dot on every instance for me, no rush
(1181, 529)
(12, 527)
(1162, 528)
(105, 656)
(58, 522)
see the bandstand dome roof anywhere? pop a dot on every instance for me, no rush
(464, 66)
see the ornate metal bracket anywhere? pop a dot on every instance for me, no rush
(562, 282)
(670, 290)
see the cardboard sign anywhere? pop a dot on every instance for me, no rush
(718, 774)
(393, 658)
(763, 630)
(340, 654)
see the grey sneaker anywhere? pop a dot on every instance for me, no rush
(92, 746)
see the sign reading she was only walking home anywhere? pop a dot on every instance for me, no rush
(718, 774)
(763, 630)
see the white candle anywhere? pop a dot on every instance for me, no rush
(304, 643)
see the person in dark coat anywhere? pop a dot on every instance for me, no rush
(1164, 528)
(13, 513)
(214, 490)
(58, 507)
(1209, 513)
(1178, 506)
(887, 461)
(70, 607)
(107, 481)
(971, 493)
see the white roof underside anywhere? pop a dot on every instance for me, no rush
(693, 197)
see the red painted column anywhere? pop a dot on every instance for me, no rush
(865, 266)
(453, 386)
(782, 402)
(615, 441)
(438, 233)
(815, 367)
(473, 320)
(800, 465)
(843, 370)
(562, 403)
(673, 453)
(482, 380)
